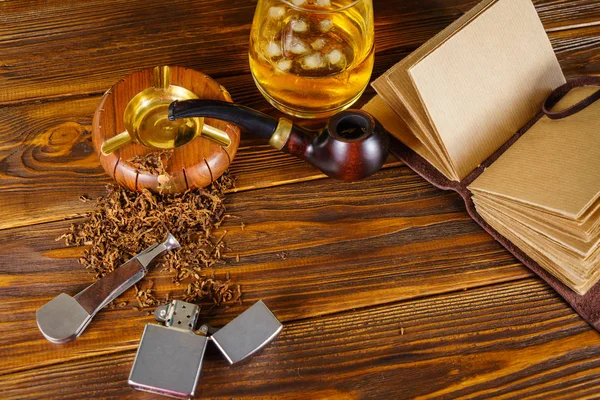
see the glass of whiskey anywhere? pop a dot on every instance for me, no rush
(312, 58)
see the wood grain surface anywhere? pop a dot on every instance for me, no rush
(513, 340)
(385, 286)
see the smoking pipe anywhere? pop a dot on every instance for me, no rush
(353, 145)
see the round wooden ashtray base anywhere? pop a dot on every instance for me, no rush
(193, 165)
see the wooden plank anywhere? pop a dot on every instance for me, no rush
(513, 340)
(47, 55)
(557, 15)
(308, 249)
(577, 50)
(45, 155)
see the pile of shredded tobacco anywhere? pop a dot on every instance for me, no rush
(152, 162)
(125, 222)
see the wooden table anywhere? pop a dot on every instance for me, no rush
(387, 289)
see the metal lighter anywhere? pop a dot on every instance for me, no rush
(169, 358)
(64, 318)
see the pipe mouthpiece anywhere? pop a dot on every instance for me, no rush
(172, 110)
(254, 122)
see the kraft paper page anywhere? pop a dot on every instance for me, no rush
(486, 81)
(562, 163)
(584, 229)
(396, 88)
(568, 243)
(580, 286)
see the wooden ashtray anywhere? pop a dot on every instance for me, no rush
(131, 123)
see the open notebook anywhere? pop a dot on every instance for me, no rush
(456, 102)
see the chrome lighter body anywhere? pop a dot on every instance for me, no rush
(169, 359)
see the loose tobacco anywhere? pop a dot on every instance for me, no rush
(125, 222)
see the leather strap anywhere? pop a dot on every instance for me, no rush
(561, 91)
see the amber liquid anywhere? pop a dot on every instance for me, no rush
(311, 64)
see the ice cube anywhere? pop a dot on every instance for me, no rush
(284, 65)
(298, 2)
(299, 25)
(323, 3)
(312, 61)
(318, 44)
(336, 58)
(325, 25)
(297, 46)
(276, 12)
(273, 49)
